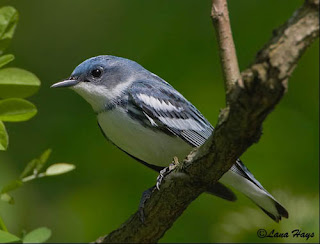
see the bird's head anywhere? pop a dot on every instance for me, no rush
(100, 80)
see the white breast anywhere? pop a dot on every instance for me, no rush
(148, 145)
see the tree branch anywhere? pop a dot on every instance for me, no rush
(239, 125)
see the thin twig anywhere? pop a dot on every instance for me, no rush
(227, 51)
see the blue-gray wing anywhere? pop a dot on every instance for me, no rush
(162, 107)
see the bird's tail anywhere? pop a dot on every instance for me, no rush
(242, 180)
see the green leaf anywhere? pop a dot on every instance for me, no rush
(5, 59)
(6, 237)
(29, 168)
(11, 186)
(15, 82)
(6, 198)
(43, 159)
(16, 109)
(45, 155)
(59, 168)
(2, 225)
(4, 139)
(39, 235)
(8, 22)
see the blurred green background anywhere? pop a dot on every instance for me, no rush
(174, 39)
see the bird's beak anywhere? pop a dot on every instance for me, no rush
(65, 83)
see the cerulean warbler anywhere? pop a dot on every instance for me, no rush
(148, 119)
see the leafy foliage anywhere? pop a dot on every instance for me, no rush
(15, 83)
(33, 170)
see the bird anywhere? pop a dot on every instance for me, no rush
(145, 117)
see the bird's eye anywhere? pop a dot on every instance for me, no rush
(96, 73)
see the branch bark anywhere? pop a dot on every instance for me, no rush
(250, 98)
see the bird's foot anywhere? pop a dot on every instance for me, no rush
(166, 171)
(145, 196)
(160, 179)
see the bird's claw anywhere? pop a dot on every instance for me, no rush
(161, 176)
(145, 196)
(164, 172)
